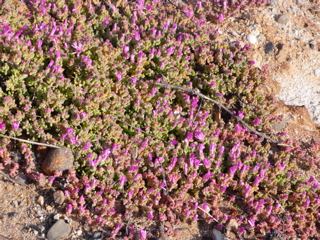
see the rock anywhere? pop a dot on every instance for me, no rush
(40, 200)
(97, 236)
(59, 230)
(56, 217)
(58, 197)
(269, 47)
(317, 72)
(311, 45)
(279, 126)
(13, 215)
(252, 39)
(49, 208)
(58, 159)
(282, 19)
(217, 235)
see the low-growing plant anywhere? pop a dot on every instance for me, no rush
(83, 74)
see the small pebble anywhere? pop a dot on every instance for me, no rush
(13, 215)
(67, 219)
(97, 236)
(269, 47)
(282, 19)
(311, 45)
(40, 200)
(15, 203)
(56, 217)
(79, 232)
(58, 197)
(317, 72)
(49, 208)
(58, 159)
(252, 39)
(59, 230)
(42, 228)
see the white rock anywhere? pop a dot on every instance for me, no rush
(317, 72)
(252, 39)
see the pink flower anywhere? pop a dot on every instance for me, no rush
(220, 17)
(78, 48)
(199, 135)
(143, 234)
(15, 125)
(251, 222)
(2, 126)
(256, 121)
(125, 49)
(105, 22)
(189, 13)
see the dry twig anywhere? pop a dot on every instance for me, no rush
(199, 94)
(31, 142)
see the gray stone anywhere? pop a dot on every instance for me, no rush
(58, 197)
(268, 47)
(59, 230)
(282, 19)
(279, 126)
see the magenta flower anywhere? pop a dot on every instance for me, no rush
(189, 13)
(220, 17)
(15, 125)
(123, 179)
(125, 49)
(251, 222)
(241, 114)
(105, 22)
(256, 121)
(78, 48)
(2, 126)
(69, 209)
(199, 135)
(143, 234)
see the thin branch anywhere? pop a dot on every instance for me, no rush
(31, 142)
(199, 94)
(208, 214)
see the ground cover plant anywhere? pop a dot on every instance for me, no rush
(120, 83)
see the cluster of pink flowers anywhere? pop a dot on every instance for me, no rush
(82, 75)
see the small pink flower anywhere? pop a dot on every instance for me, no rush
(256, 121)
(251, 222)
(2, 126)
(241, 114)
(199, 135)
(105, 22)
(15, 125)
(220, 17)
(143, 234)
(125, 49)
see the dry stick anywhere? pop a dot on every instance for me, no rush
(198, 93)
(208, 214)
(31, 142)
